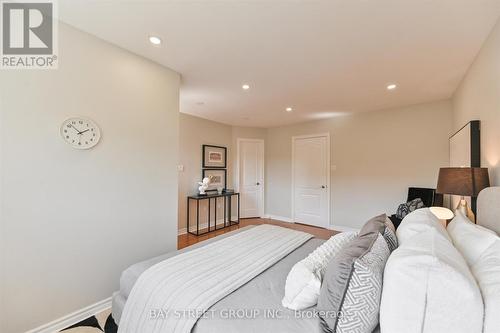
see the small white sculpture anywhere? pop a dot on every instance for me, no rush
(203, 185)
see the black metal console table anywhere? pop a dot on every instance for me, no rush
(227, 211)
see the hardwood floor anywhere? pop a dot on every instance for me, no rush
(188, 239)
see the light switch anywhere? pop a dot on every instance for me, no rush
(180, 167)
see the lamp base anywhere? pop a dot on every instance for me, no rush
(464, 208)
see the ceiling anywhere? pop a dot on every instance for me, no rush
(321, 57)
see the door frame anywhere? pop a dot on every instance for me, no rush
(262, 166)
(328, 161)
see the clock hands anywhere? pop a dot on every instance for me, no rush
(81, 135)
(73, 127)
(76, 129)
(79, 132)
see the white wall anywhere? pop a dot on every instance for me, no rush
(193, 133)
(478, 97)
(377, 155)
(71, 220)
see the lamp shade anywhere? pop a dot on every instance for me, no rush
(463, 181)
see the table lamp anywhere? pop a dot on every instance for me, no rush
(465, 182)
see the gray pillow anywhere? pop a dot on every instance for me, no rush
(350, 294)
(384, 226)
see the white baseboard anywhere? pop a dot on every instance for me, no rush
(279, 218)
(73, 318)
(343, 228)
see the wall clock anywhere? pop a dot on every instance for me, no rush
(80, 133)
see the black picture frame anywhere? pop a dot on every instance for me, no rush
(474, 127)
(205, 161)
(475, 142)
(211, 188)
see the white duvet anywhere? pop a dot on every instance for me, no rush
(171, 295)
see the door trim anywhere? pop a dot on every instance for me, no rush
(309, 136)
(237, 173)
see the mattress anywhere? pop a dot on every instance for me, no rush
(254, 307)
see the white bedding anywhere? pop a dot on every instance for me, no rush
(303, 283)
(196, 280)
(481, 248)
(428, 287)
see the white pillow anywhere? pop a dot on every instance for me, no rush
(303, 283)
(429, 288)
(419, 221)
(481, 247)
(469, 238)
(487, 272)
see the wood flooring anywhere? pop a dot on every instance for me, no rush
(188, 239)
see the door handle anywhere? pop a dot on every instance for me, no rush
(323, 186)
(257, 183)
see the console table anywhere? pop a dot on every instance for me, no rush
(227, 197)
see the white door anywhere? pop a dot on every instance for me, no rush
(311, 180)
(251, 177)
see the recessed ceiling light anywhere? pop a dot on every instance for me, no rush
(288, 109)
(155, 40)
(245, 87)
(391, 87)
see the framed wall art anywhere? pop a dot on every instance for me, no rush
(465, 151)
(217, 178)
(214, 156)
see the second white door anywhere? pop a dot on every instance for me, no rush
(311, 180)
(251, 177)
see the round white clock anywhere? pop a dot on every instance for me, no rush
(80, 133)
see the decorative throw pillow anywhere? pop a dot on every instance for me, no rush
(384, 226)
(390, 235)
(481, 248)
(419, 221)
(407, 208)
(487, 273)
(469, 238)
(428, 287)
(352, 285)
(303, 283)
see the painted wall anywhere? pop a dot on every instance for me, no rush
(478, 97)
(195, 132)
(72, 221)
(377, 156)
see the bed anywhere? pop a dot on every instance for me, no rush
(264, 292)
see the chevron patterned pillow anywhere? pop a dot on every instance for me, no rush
(352, 286)
(407, 208)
